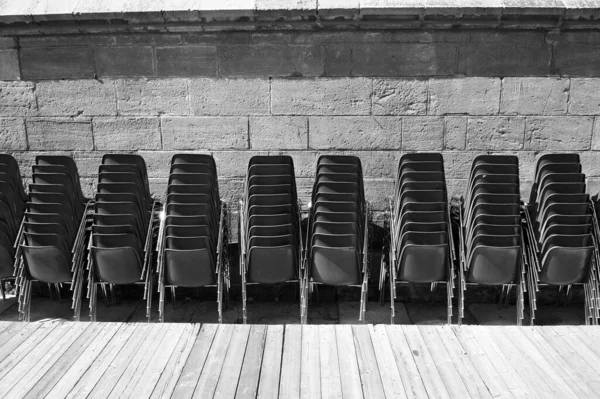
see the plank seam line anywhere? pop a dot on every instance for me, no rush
(203, 363)
(259, 366)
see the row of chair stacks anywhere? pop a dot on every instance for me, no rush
(271, 244)
(53, 234)
(12, 206)
(122, 230)
(420, 230)
(491, 231)
(561, 226)
(337, 236)
(192, 229)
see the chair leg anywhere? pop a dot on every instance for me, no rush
(244, 315)
(2, 290)
(220, 297)
(161, 303)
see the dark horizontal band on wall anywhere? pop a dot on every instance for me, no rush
(186, 15)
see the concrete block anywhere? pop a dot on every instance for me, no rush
(127, 134)
(12, 134)
(470, 96)
(403, 59)
(596, 134)
(305, 162)
(7, 42)
(158, 163)
(495, 133)
(149, 39)
(338, 60)
(278, 133)
(422, 133)
(57, 63)
(271, 60)
(350, 96)
(377, 164)
(378, 192)
(67, 40)
(577, 59)
(534, 96)
(229, 96)
(227, 37)
(355, 133)
(232, 164)
(88, 163)
(503, 59)
(457, 164)
(569, 133)
(399, 97)
(506, 36)
(76, 97)
(124, 61)
(455, 132)
(204, 133)
(152, 97)
(186, 61)
(17, 99)
(63, 134)
(9, 65)
(584, 96)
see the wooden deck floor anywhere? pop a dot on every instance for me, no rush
(98, 360)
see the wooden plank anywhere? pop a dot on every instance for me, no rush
(331, 382)
(289, 385)
(468, 372)
(270, 370)
(111, 376)
(12, 337)
(207, 383)
(588, 339)
(168, 379)
(490, 366)
(556, 380)
(195, 362)
(310, 366)
(348, 361)
(131, 374)
(232, 365)
(367, 362)
(4, 325)
(537, 384)
(560, 365)
(81, 379)
(407, 368)
(32, 367)
(248, 384)
(149, 376)
(20, 345)
(97, 333)
(443, 362)
(390, 376)
(585, 354)
(572, 358)
(434, 383)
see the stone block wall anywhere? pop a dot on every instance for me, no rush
(375, 93)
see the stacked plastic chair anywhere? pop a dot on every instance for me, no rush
(337, 237)
(125, 218)
(192, 236)
(421, 241)
(491, 239)
(562, 231)
(12, 206)
(270, 237)
(52, 241)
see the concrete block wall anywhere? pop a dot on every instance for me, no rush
(373, 93)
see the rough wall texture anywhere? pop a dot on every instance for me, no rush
(375, 94)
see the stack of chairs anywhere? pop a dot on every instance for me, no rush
(123, 228)
(337, 237)
(12, 206)
(192, 236)
(562, 231)
(270, 235)
(421, 248)
(491, 238)
(52, 242)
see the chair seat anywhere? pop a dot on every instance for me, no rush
(47, 264)
(335, 266)
(493, 265)
(564, 266)
(189, 268)
(423, 263)
(272, 265)
(117, 265)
